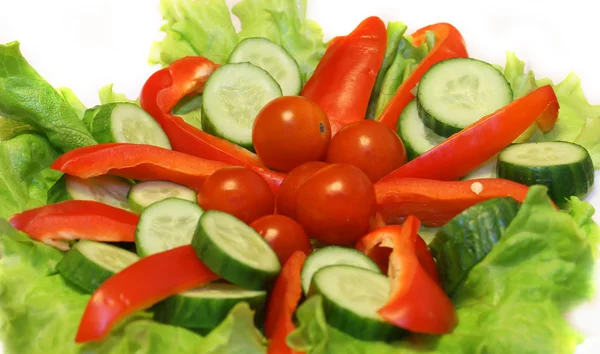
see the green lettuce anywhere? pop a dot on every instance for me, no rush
(25, 96)
(9, 128)
(511, 302)
(76, 105)
(108, 95)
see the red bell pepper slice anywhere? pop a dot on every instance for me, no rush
(139, 286)
(417, 302)
(140, 162)
(342, 82)
(378, 246)
(449, 43)
(282, 304)
(436, 202)
(54, 224)
(466, 150)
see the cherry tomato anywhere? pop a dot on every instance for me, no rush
(285, 201)
(336, 204)
(284, 235)
(369, 145)
(289, 131)
(238, 191)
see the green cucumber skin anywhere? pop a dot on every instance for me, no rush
(225, 266)
(73, 268)
(466, 239)
(208, 127)
(101, 129)
(187, 312)
(442, 129)
(563, 181)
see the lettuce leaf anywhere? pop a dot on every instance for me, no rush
(511, 302)
(9, 128)
(108, 95)
(76, 105)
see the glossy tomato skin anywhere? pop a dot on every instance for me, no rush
(289, 131)
(336, 205)
(369, 145)
(284, 235)
(285, 201)
(238, 191)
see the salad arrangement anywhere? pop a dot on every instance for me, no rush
(270, 192)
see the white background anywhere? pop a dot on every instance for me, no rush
(86, 44)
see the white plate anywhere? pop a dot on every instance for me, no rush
(85, 45)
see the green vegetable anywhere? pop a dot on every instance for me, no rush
(108, 95)
(511, 302)
(25, 96)
(189, 109)
(9, 128)
(73, 101)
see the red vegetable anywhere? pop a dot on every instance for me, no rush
(464, 151)
(54, 224)
(285, 200)
(436, 202)
(140, 162)
(342, 82)
(284, 235)
(283, 301)
(417, 302)
(139, 286)
(449, 43)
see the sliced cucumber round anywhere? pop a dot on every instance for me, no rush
(235, 251)
(165, 225)
(88, 264)
(207, 306)
(274, 59)
(233, 96)
(351, 298)
(565, 168)
(456, 93)
(125, 122)
(143, 194)
(331, 255)
(104, 189)
(417, 137)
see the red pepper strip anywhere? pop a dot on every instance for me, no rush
(378, 246)
(436, 202)
(282, 304)
(464, 151)
(417, 303)
(139, 286)
(54, 224)
(342, 82)
(140, 162)
(449, 43)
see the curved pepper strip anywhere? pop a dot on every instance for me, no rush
(166, 87)
(378, 246)
(139, 286)
(436, 202)
(54, 224)
(474, 145)
(342, 82)
(284, 299)
(140, 162)
(417, 302)
(449, 43)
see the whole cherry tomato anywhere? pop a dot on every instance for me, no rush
(238, 191)
(336, 205)
(284, 235)
(369, 145)
(290, 131)
(285, 201)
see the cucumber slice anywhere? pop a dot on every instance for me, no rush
(235, 251)
(143, 194)
(125, 122)
(233, 96)
(189, 109)
(88, 264)
(565, 168)
(331, 255)
(207, 306)
(351, 298)
(274, 59)
(456, 93)
(417, 137)
(104, 189)
(165, 225)
(466, 239)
